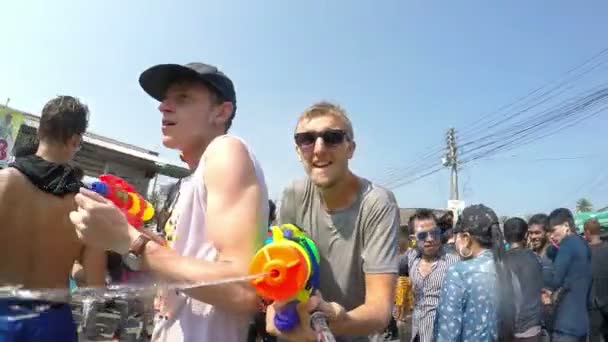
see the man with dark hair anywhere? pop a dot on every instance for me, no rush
(598, 306)
(527, 267)
(427, 265)
(538, 235)
(571, 277)
(36, 195)
(220, 216)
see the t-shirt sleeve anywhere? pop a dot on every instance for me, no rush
(381, 224)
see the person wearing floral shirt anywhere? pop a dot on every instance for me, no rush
(476, 304)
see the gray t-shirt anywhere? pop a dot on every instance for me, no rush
(351, 242)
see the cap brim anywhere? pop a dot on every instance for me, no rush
(158, 78)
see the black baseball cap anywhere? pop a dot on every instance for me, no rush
(156, 80)
(476, 220)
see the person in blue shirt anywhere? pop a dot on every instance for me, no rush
(571, 276)
(476, 302)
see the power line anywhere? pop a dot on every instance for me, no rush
(426, 164)
(573, 112)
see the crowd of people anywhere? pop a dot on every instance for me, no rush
(466, 285)
(473, 280)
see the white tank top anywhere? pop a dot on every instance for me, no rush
(187, 319)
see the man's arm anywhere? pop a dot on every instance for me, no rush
(562, 263)
(95, 265)
(380, 267)
(233, 225)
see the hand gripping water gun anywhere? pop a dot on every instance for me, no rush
(123, 195)
(290, 263)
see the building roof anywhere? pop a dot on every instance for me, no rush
(165, 167)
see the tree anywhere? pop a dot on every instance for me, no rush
(583, 205)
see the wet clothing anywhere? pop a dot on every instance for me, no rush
(25, 321)
(468, 307)
(352, 242)
(53, 178)
(527, 266)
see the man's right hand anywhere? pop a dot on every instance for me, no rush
(303, 332)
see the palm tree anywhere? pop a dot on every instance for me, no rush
(583, 205)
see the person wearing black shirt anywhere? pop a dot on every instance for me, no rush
(527, 267)
(598, 301)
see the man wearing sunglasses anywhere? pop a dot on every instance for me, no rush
(427, 265)
(354, 224)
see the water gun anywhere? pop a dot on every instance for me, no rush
(289, 264)
(124, 196)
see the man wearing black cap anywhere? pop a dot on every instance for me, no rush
(220, 216)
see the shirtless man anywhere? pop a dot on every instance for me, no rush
(40, 245)
(220, 218)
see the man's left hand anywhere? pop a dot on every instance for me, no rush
(100, 223)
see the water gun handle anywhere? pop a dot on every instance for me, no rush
(318, 321)
(287, 318)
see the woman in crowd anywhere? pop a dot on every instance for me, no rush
(476, 301)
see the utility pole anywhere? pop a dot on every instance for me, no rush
(451, 161)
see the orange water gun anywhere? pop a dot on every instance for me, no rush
(289, 262)
(124, 196)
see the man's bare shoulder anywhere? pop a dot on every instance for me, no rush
(227, 147)
(11, 180)
(228, 155)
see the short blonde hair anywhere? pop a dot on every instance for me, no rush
(325, 108)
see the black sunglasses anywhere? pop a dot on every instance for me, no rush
(435, 233)
(330, 137)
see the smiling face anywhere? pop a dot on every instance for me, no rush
(537, 237)
(191, 115)
(324, 147)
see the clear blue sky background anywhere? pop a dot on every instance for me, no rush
(405, 70)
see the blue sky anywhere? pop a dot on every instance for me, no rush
(405, 70)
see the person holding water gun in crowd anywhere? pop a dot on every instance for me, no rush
(354, 224)
(220, 216)
(36, 195)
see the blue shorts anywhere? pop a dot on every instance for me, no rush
(22, 320)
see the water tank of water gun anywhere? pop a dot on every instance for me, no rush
(124, 196)
(289, 262)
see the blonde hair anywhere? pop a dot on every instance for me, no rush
(325, 108)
